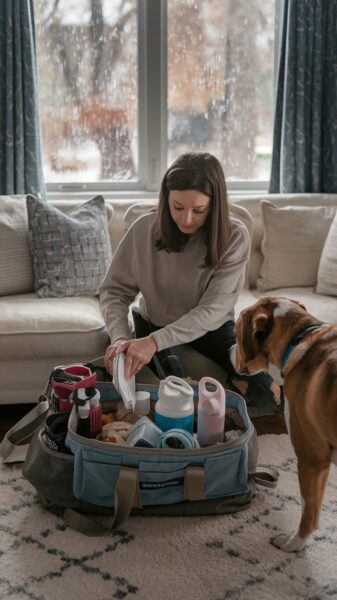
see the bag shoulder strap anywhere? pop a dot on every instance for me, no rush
(11, 449)
(265, 475)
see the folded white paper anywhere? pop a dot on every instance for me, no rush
(127, 389)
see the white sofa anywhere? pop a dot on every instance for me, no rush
(37, 334)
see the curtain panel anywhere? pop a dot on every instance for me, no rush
(305, 129)
(20, 143)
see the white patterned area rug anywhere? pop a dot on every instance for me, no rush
(152, 558)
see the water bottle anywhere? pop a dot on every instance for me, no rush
(174, 407)
(83, 425)
(95, 414)
(211, 412)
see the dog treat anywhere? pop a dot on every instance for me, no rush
(107, 418)
(112, 438)
(120, 428)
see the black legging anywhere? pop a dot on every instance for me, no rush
(215, 345)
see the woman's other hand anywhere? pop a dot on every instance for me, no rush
(137, 354)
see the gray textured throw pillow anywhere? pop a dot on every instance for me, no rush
(71, 251)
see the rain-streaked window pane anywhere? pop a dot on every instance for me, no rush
(88, 91)
(220, 82)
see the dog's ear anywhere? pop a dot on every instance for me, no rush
(260, 327)
(250, 329)
(254, 333)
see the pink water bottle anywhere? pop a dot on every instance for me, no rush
(211, 412)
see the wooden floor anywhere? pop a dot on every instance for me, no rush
(270, 424)
(9, 415)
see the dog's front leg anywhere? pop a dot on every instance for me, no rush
(312, 479)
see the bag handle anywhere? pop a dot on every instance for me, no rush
(194, 483)
(266, 476)
(11, 449)
(126, 497)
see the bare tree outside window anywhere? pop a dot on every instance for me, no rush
(87, 61)
(220, 78)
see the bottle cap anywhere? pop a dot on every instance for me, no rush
(175, 398)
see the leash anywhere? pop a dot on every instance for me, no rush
(176, 438)
(297, 339)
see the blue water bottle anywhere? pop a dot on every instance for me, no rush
(175, 406)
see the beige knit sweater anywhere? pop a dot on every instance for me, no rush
(180, 296)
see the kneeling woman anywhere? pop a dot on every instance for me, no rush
(188, 260)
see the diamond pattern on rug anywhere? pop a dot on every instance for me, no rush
(200, 558)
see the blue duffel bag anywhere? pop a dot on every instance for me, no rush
(94, 478)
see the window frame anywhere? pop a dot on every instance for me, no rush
(152, 113)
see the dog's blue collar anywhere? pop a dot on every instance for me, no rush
(296, 340)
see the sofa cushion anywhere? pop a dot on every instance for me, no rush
(293, 240)
(137, 210)
(16, 264)
(71, 251)
(34, 328)
(327, 270)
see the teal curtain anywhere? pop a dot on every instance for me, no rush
(305, 130)
(20, 145)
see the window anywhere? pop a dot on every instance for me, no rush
(126, 86)
(88, 92)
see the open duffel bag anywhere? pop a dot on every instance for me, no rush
(100, 478)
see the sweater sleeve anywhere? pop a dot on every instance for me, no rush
(119, 289)
(217, 302)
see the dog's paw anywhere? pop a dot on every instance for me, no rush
(289, 542)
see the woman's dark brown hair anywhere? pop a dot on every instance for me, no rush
(202, 172)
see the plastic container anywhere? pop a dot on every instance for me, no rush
(83, 424)
(175, 407)
(95, 414)
(93, 396)
(143, 403)
(144, 433)
(211, 412)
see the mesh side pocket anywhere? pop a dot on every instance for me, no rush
(50, 472)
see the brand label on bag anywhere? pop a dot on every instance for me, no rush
(156, 485)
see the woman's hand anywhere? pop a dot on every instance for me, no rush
(137, 354)
(111, 352)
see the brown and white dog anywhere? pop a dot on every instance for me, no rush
(280, 332)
